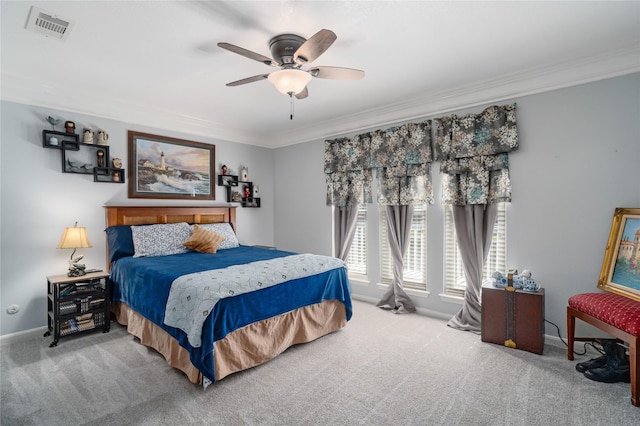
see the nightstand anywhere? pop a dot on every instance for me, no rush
(77, 304)
(513, 318)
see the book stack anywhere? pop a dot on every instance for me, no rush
(85, 287)
(68, 327)
(79, 323)
(67, 290)
(85, 303)
(95, 303)
(68, 307)
(85, 322)
(78, 288)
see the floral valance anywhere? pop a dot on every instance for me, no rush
(406, 144)
(493, 131)
(473, 150)
(402, 159)
(474, 153)
(348, 175)
(476, 180)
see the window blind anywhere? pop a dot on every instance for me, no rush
(357, 258)
(415, 262)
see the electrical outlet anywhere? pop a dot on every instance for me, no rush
(13, 309)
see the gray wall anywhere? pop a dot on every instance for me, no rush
(38, 201)
(579, 159)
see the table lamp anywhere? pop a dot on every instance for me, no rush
(75, 238)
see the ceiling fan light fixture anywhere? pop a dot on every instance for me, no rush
(290, 81)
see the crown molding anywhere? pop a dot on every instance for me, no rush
(24, 90)
(541, 79)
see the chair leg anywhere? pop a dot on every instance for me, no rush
(634, 361)
(571, 326)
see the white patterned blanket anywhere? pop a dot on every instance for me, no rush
(193, 296)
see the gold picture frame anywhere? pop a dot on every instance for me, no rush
(621, 266)
(164, 167)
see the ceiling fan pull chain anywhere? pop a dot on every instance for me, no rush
(291, 103)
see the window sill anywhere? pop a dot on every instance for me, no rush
(451, 299)
(410, 291)
(359, 280)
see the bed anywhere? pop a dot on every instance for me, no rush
(214, 314)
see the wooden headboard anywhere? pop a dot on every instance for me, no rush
(146, 215)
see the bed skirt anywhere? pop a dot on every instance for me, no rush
(244, 348)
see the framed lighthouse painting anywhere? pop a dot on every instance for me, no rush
(621, 266)
(164, 167)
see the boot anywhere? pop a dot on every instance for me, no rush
(609, 347)
(615, 370)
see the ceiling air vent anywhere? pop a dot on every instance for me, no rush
(46, 23)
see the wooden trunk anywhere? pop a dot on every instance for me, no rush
(513, 318)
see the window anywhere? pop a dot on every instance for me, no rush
(415, 262)
(357, 258)
(496, 260)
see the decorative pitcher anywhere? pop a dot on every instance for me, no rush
(87, 135)
(103, 137)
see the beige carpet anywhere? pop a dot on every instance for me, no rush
(382, 369)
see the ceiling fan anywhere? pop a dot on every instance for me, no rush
(290, 53)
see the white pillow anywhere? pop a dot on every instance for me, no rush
(160, 240)
(224, 229)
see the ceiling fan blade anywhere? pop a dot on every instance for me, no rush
(247, 53)
(337, 73)
(303, 94)
(248, 80)
(315, 46)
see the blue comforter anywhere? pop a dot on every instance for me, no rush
(144, 283)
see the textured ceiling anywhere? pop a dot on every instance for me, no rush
(157, 63)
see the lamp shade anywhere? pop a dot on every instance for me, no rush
(74, 238)
(289, 81)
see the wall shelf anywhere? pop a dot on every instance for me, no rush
(243, 194)
(60, 140)
(108, 174)
(83, 158)
(227, 180)
(251, 202)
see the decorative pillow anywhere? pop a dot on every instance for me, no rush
(160, 240)
(203, 241)
(226, 230)
(120, 242)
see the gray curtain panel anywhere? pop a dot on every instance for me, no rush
(474, 229)
(344, 219)
(399, 227)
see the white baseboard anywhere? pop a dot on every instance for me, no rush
(549, 339)
(21, 336)
(421, 311)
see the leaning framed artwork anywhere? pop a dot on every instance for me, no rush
(620, 271)
(164, 167)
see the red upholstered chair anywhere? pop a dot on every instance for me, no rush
(615, 314)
